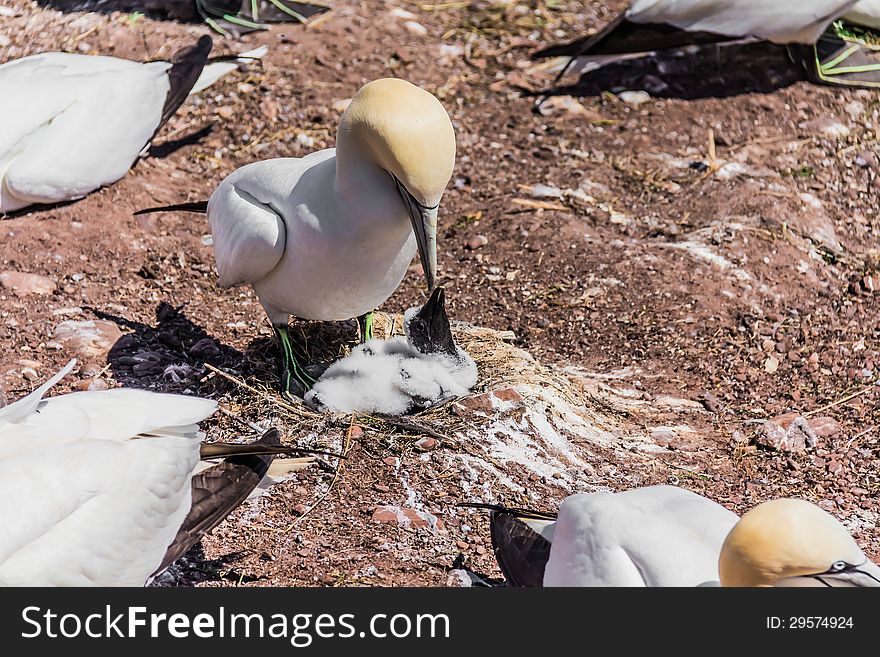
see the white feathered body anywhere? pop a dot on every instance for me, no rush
(653, 536)
(773, 20)
(72, 123)
(392, 377)
(94, 485)
(865, 12)
(309, 248)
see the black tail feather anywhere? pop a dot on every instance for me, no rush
(192, 206)
(216, 492)
(521, 552)
(510, 510)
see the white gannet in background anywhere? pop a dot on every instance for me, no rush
(865, 13)
(402, 374)
(73, 123)
(107, 488)
(330, 236)
(654, 25)
(667, 536)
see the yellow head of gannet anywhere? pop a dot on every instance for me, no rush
(406, 131)
(789, 542)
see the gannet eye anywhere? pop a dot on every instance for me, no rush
(838, 566)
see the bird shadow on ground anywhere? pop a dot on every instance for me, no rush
(35, 208)
(180, 10)
(193, 568)
(711, 71)
(172, 355)
(166, 148)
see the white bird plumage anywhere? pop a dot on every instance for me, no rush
(780, 22)
(401, 374)
(73, 123)
(668, 536)
(655, 536)
(328, 236)
(96, 484)
(866, 13)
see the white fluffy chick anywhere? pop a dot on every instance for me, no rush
(399, 375)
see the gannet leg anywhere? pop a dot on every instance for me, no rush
(294, 380)
(365, 324)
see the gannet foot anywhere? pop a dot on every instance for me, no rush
(295, 381)
(365, 324)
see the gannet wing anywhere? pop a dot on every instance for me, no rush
(18, 410)
(248, 230)
(216, 491)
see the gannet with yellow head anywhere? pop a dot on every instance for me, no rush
(790, 542)
(330, 236)
(667, 536)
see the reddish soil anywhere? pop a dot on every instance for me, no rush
(753, 289)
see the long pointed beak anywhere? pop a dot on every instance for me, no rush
(434, 306)
(866, 574)
(424, 223)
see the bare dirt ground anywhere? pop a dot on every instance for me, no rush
(682, 300)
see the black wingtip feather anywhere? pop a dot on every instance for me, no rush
(216, 492)
(186, 67)
(521, 552)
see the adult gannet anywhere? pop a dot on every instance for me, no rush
(667, 536)
(402, 374)
(652, 25)
(330, 236)
(73, 123)
(107, 488)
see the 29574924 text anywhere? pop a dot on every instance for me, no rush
(809, 622)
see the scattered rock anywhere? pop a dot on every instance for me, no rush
(91, 339)
(825, 427)
(771, 364)
(402, 516)
(477, 241)
(709, 401)
(205, 349)
(93, 384)
(565, 105)
(426, 444)
(787, 433)
(825, 126)
(341, 105)
(458, 578)
(23, 284)
(634, 99)
(493, 401)
(416, 28)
